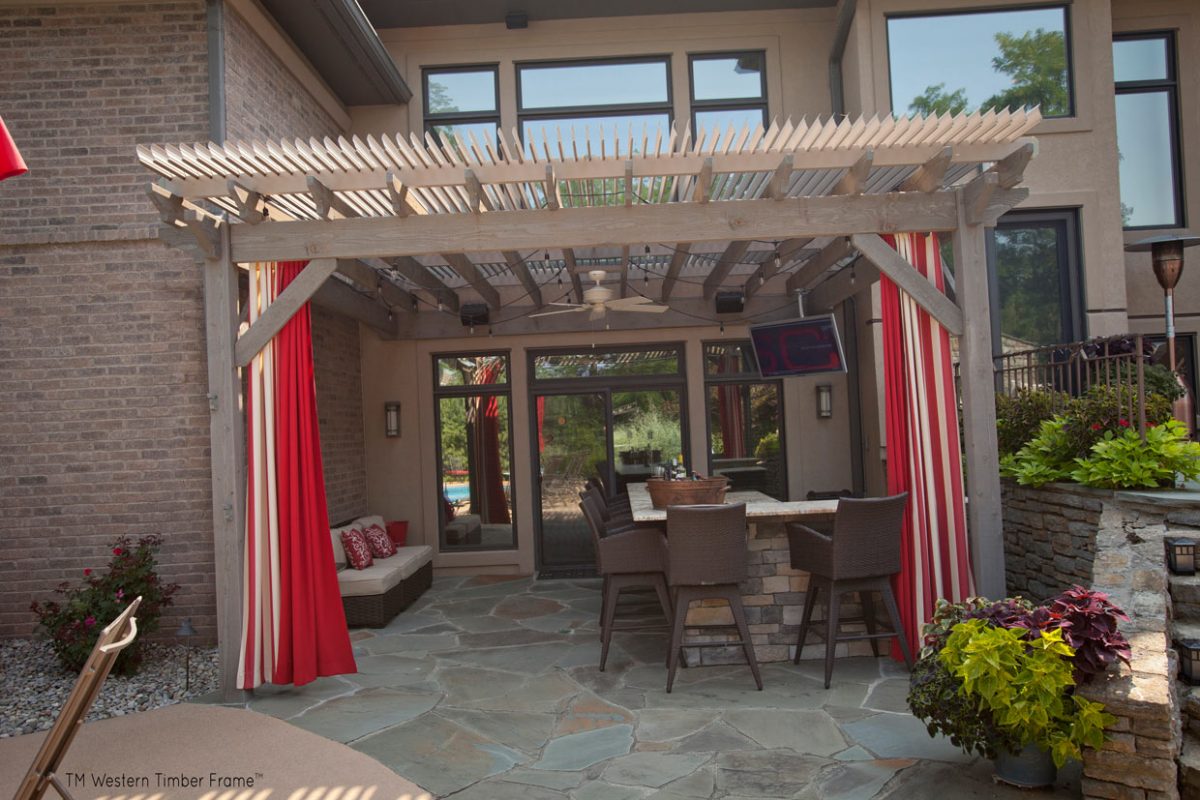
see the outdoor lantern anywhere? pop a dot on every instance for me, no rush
(824, 400)
(391, 419)
(186, 632)
(1181, 555)
(1189, 660)
(1166, 253)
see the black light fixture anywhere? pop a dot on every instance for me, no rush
(824, 400)
(1189, 660)
(472, 314)
(731, 302)
(391, 419)
(185, 633)
(1181, 555)
(516, 20)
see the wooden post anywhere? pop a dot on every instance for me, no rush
(227, 436)
(984, 521)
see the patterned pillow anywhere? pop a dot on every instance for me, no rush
(358, 552)
(377, 539)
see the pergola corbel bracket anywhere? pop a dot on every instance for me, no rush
(285, 306)
(917, 286)
(178, 212)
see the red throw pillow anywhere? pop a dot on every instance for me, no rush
(398, 532)
(377, 539)
(358, 552)
(448, 507)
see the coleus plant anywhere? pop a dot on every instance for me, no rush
(1088, 621)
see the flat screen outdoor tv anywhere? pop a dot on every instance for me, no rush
(806, 346)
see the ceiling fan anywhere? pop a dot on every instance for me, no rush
(598, 300)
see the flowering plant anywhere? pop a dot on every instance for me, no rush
(75, 622)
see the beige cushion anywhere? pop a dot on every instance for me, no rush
(385, 573)
(461, 525)
(339, 552)
(362, 523)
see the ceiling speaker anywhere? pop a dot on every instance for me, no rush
(471, 314)
(731, 302)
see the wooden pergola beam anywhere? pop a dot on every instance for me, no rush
(416, 272)
(479, 201)
(341, 298)
(787, 252)
(846, 283)
(777, 186)
(928, 176)
(856, 176)
(678, 259)
(251, 207)
(916, 285)
(573, 271)
(289, 301)
(703, 181)
(474, 278)
(810, 271)
(607, 226)
(976, 195)
(402, 202)
(181, 213)
(519, 268)
(720, 271)
(329, 205)
(1011, 169)
(628, 188)
(553, 196)
(374, 275)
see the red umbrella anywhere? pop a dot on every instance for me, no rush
(11, 162)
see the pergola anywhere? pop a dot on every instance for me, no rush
(389, 222)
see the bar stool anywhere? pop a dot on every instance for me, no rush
(861, 556)
(635, 557)
(706, 559)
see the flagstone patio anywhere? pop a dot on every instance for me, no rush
(488, 689)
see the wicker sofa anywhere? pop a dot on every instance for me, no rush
(371, 597)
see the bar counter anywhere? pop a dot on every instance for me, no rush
(773, 592)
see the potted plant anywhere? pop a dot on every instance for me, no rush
(998, 678)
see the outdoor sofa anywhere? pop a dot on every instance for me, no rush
(373, 596)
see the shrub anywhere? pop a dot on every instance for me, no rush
(1047, 457)
(768, 446)
(1019, 416)
(1123, 461)
(75, 623)
(1109, 408)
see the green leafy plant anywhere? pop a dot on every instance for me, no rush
(75, 623)
(1123, 461)
(1022, 680)
(1019, 416)
(1088, 620)
(1047, 457)
(768, 446)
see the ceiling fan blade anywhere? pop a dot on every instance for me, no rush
(573, 310)
(652, 309)
(625, 302)
(568, 305)
(597, 312)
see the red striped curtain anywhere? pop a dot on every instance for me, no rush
(294, 628)
(730, 411)
(923, 450)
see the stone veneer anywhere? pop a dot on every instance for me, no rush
(1121, 553)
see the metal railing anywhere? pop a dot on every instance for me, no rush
(1067, 371)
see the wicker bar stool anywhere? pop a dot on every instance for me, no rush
(615, 518)
(861, 556)
(636, 557)
(706, 550)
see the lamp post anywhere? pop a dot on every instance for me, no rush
(1166, 253)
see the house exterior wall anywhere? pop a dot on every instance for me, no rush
(104, 421)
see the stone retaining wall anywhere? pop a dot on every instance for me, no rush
(1049, 537)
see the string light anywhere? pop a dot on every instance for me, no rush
(722, 327)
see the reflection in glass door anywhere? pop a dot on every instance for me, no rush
(572, 445)
(646, 433)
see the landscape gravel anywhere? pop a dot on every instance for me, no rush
(33, 687)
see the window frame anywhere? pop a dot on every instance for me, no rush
(432, 120)
(1169, 85)
(1072, 309)
(473, 390)
(1068, 33)
(592, 110)
(726, 104)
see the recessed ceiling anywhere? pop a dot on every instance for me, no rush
(422, 13)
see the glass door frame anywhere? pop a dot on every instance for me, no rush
(606, 386)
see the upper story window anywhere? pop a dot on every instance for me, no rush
(728, 90)
(557, 101)
(1148, 130)
(463, 101)
(975, 60)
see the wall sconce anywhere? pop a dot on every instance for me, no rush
(391, 419)
(824, 400)
(1181, 557)
(1189, 660)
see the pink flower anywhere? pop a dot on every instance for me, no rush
(1124, 423)
(117, 551)
(120, 593)
(89, 622)
(1096, 426)
(87, 571)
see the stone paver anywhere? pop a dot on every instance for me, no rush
(488, 689)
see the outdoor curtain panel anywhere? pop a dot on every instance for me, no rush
(924, 457)
(293, 625)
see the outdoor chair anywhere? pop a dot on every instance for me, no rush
(616, 504)
(706, 548)
(615, 520)
(861, 556)
(632, 558)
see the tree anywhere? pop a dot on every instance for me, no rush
(936, 100)
(1036, 62)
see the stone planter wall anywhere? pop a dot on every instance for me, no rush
(1117, 541)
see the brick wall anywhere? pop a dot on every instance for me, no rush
(103, 419)
(336, 364)
(81, 86)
